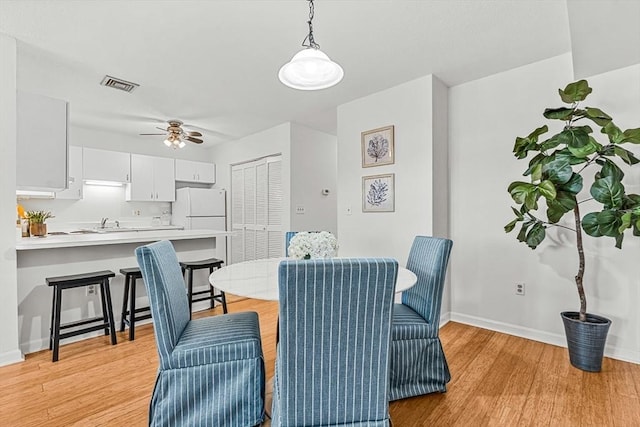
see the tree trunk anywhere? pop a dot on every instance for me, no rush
(580, 275)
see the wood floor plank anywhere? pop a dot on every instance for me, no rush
(497, 380)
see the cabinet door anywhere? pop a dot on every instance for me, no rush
(41, 153)
(190, 171)
(164, 179)
(104, 165)
(141, 187)
(206, 172)
(74, 192)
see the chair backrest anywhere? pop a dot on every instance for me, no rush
(167, 295)
(428, 260)
(333, 353)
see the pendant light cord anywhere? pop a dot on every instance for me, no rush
(311, 42)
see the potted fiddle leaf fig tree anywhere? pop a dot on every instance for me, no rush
(554, 189)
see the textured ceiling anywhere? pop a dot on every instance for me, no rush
(214, 64)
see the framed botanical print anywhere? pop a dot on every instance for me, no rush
(377, 147)
(378, 193)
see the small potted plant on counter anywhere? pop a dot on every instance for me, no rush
(37, 226)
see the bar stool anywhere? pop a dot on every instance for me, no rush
(189, 267)
(129, 310)
(101, 322)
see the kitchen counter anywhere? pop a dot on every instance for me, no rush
(112, 238)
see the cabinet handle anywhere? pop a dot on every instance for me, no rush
(127, 178)
(79, 195)
(152, 195)
(157, 196)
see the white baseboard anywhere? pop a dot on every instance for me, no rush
(11, 357)
(534, 334)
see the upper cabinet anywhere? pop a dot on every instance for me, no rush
(41, 153)
(74, 190)
(152, 179)
(190, 171)
(103, 165)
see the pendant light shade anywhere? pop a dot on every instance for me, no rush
(311, 68)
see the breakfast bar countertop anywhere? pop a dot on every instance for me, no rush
(113, 238)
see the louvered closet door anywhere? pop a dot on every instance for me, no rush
(256, 195)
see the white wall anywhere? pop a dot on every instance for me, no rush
(485, 117)
(313, 168)
(9, 351)
(409, 107)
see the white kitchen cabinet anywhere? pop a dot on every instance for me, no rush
(152, 179)
(104, 165)
(74, 190)
(41, 152)
(190, 171)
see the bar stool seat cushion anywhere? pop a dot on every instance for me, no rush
(217, 339)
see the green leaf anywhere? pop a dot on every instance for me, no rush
(616, 136)
(531, 199)
(536, 235)
(626, 155)
(563, 203)
(536, 174)
(537, 160)
(619, 238)
(517, 213)
(510, 226)
(533, 136)
(558, 171)
(585, 151)
(573, 186)
(575, 92)
(519, 191)
(608, 222)
(609, 168)
(562, 113)
(523, 145)
(575, 137)
(625, 222)
(550, 143)
(522, 235)
(632, 136)
(608, 191)
(566, 155)
(598, 116)
(590, 225)
(631, 201)
(547, 189)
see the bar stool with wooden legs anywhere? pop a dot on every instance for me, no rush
(188, 267)
(80, 326)
(130, 314)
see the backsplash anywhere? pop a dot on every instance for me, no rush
(98, 202)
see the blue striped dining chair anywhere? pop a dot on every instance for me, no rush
(333, 355)
(418, 364)
(211, 369)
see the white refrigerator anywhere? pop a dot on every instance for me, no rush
(202, 209)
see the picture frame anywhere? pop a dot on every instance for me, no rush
(378, 147)
(378, 193)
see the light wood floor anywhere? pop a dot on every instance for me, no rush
(497, 380)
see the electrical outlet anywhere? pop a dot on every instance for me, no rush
(519, 288)
(349, 211)
(91, 290)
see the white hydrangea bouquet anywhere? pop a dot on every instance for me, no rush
(306, 245)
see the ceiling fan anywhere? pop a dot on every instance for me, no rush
(176, 135)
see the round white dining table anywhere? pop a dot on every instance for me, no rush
(259, 279)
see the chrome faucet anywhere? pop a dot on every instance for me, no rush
(103, 222)
(117, 224)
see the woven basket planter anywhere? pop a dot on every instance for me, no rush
(585, 340)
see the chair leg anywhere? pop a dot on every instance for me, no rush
(109, 312)
(53, 310)
(104, 307)
(56, 325)
(224, 302)
(123, 317)
(212, 292)
(190, 289)
(132, 309)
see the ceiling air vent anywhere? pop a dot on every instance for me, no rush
(118, 84)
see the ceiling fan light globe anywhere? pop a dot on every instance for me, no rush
(310, 69)
(167, 142)
(181, 144)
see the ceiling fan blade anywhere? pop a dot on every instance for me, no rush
(152, 134)
(195, 140)
(160, 128)
(193, 133)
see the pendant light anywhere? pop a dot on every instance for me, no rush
(311, 68)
